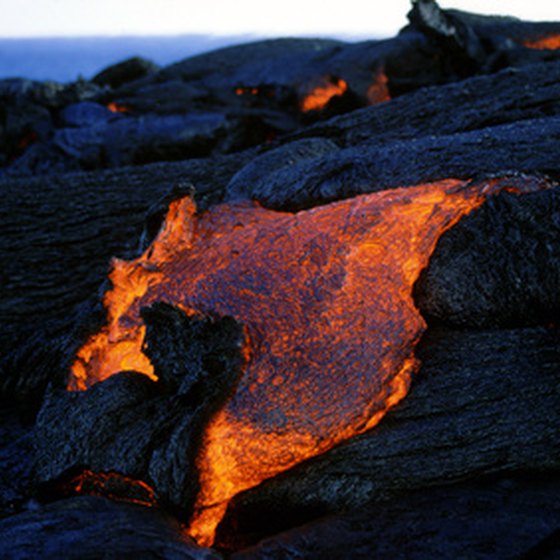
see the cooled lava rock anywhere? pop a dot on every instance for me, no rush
(94, 527)
(483, 404)
(247, 95)
(511, 517)
(124, 72)
(150, 431)
(500, 267)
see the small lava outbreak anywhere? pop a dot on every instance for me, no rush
(318, 96)
(550, 42)
(325, 296)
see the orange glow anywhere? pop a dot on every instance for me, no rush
(247, 91)
(116, 108)
(378, 91)
(548, 42)
(325, 296)
(118, 346)
(111, 485)
(321, 94)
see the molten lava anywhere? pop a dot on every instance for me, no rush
(118, 346)
(112, 485)
(551, 42)
(116, 108)
(246, 91)
(325, 296)
(322, 93)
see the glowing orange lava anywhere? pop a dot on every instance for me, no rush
(111, 485)
(547, 42)
(378, 91)
(246, 91)
(118, 346)
(321, 94)
(325, 296)
(116, 108)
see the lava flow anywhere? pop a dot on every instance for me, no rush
(322, 93)
(551, 42)
(116, 108)
(112, 485)
(326, 299)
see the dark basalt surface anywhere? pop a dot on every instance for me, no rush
(132, 425)
(461, 521)
(484, 403)
(499, 267)
(94, 527)
(242, 96)
(466, 466)
(16, 459)
(485, 124)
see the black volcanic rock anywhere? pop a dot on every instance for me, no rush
(122, 141)
(483, 403)
(94, 527)
(477, 103)
(458, 39)
(85, 113)
(130, 424)
(508, 517)
(16, 461)
(256, 88)
(255, 177)
(499, 267)
(485, 124)
(127, 71)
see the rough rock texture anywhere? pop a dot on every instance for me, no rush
(508, 517)
(124, 72)
(93, 527)
(16, 461)
(484, 403)
(56, 251)
(250, 94)
(130, 424)
(499, 267)
(485, 124)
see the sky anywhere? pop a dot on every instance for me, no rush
(351, 18)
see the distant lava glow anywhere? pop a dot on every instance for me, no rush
(378, 90)
(116, 108)
(319, 96)
(551, 42)
(326, 299)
